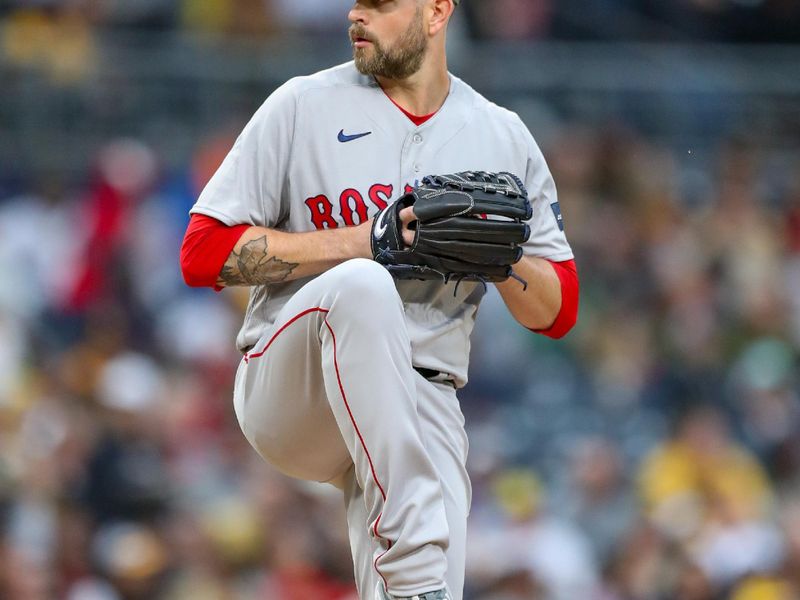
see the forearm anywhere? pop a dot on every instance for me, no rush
(266, 256)
(537, 306)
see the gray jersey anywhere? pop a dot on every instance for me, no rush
(331, 149)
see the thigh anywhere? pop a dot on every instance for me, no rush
(280, 398)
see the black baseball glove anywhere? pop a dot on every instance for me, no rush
(469, 226)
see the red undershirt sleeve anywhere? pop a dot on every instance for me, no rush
(207, 244)
(568, 314)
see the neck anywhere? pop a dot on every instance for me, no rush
(426, 90)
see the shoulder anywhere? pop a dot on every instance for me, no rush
(504, 120)
(344, 76)
(485, 108)
(283, 102)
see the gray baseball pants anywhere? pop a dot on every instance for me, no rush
(329, 394)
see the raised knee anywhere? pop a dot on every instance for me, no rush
(363, 284)
(363, 278)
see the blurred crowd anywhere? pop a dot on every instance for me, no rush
(680, 20)
(653, 454)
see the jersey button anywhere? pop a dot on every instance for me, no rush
(417, 168)
(417, 138)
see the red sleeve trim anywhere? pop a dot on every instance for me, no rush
(570, 290)
(206, 246)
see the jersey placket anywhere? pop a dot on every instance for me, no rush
(412, 161)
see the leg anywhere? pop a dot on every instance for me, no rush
(442, 428)
(332, 385)
(446, 440)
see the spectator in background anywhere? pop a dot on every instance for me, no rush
(599, 500)
(133, 558)
(126, 477)
(232, 17)
(701, 475)
(711, 496)
(33, 282)
(762, 385)
(126, 174)
(525, 552)
(53, 38)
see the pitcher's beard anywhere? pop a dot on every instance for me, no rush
(398, 62)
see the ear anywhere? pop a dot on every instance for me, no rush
(441, 10)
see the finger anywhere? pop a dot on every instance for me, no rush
(408, 237)
(407, 215)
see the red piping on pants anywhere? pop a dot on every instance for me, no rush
(325, 311)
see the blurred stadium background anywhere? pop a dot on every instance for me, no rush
(652, 454)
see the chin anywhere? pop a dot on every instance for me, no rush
(362, 64)
(361, 69)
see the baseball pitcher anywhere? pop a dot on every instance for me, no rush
(367, 207)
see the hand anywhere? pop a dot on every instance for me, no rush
(431, 233)
(407, 217)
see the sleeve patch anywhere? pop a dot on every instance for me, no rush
(557, 212)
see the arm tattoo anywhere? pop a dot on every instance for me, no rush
(252, 266)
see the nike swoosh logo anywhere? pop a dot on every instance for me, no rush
(344, 138)
(381, 226)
